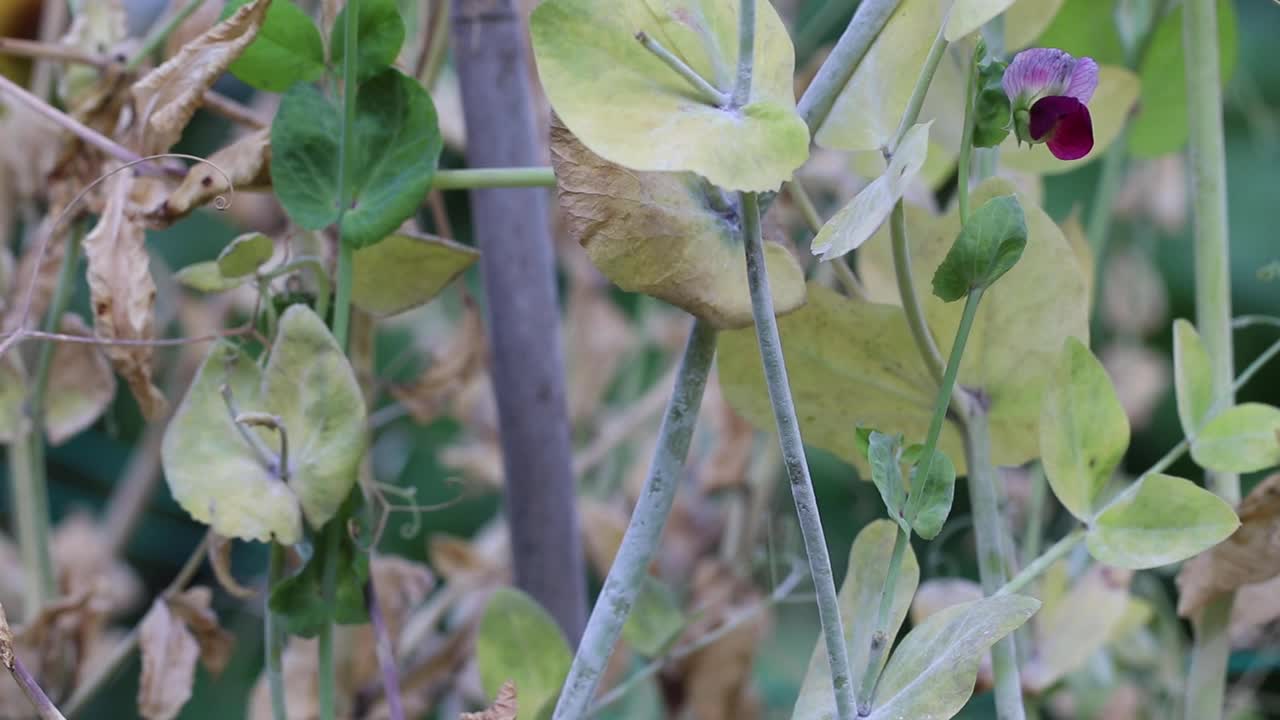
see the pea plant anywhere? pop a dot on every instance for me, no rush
(939, 328)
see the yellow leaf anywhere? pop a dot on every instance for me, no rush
(123, 293)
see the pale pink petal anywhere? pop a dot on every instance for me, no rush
(1036, 73)
(1084, 80)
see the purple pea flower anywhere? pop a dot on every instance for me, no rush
(1049, 90)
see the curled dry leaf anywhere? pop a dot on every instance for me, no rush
(97, 28)
(169, 653)
(245, 162)
(504, 706)
(1251, 555)
(35, 275)
(85, 386)
(123, 293)
(166, 98)
(85, 566)
(220, 561)
(598, 337)
(452, 366)
(193, 607)
(54, 645)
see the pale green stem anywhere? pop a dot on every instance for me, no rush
(710, 94)
(161, 33)
(640, 541)
(966, 138)
(746, 51)
(437, 43)
(1033, 534)
(275, 636)
(477, 178)
(921, 89)
(880, 638)
(838, 68)
(910, 299)
(1036, 567)
(987, 523)
(793, 456)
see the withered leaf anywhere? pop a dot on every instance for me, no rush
(86, 567)
(166, 98)
(123, 293)
(1251, 555)
(726, 468)
(461, 357)
(169, 654)
(504, 706)
(193, 607)
(83, 384)
(598, 338)
(96, 28)
(36, 275)
(245, 162)
(220, 561)
(718, 683)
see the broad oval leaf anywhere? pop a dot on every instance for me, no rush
(1084, 431)
(519, 641)
(380, 32)
(308, 383)
(397, 146)
(1192, 377)
(1245, 438)
(207, 277)
(859, 220)
(931, 499)
(287, 50)
(1159, 520)
(988, 246)
(655, 620)
(667, 235)
(1110, 110)
(968, 16)
(212, 471)
(932, 672)
(1161, 124)
(859, 607)
(630, 108)
(405, 271)
(244, 255)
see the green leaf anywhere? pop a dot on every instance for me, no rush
(397, 146)
(968, 16)
(206, 277)
(519, 641)
(669, 235)
(299, 599)
(886, 472)
(992, 111)
(1083, 28)
(1192, 377)
(655, 620)
(1245, 438)
(244, 255)
(405, 271)
(287, 50)
(1160, 126)
(988, 246)
(632, 109)
(1084, 431)
(931, 500)
(859, 220)
(1159, 520)
(932, 672)
(1026, 20)
(380, 32)
(225, 481)
(859, 608)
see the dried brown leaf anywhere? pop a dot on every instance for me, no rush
(35, 275)
(97, 28)
(504, 706)
(86, 567)
(166, 98)
(455, 558)
(169, 653)
(123, 293)
(726, 468)
(1251, 555)
(1255, 605)
(598, 337)
(300, 663)
(246, 163)
(717, 678)
(193, 607)
(479, 462)
(402, 585)
(82, 381)
(54, 646)
(220, 561)
(29, 150)
(603, 526)
(462, 357)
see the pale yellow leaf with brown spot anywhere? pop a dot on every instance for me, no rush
(169, 653)
(166, 98)
(668, 235)
(246, 163)
(123, 293)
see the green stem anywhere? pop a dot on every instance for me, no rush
(275, 636)
(332, 538)
(966, 138)
(869, 19)
(710, 94)
(158, 35)
(746, 51)
(1036, 567)
(921, 89)
(910, 299)
(987, 523)
(478, 178)
(1033, 533)
(793, 455)
(880, 638)
(342, 299)
(644, 531)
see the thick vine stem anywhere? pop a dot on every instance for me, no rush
(1206, 685)
(910, 298)
(816, 103)
(793, 457)
(746, 52)
(645, 529)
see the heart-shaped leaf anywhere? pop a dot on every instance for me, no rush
(244, 255)
(859, 609)
(1084, 431)
(405, 271)
(1159, 520)
(988, 246)
(397, 146)
(380, 32)
(1192, 377)
(287, 50)
(932, 672)
(632, 109)
(1245, 438)
(519, 641)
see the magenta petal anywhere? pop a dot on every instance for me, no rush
(1037, 71)
(1064, 123)
(1084, 80)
